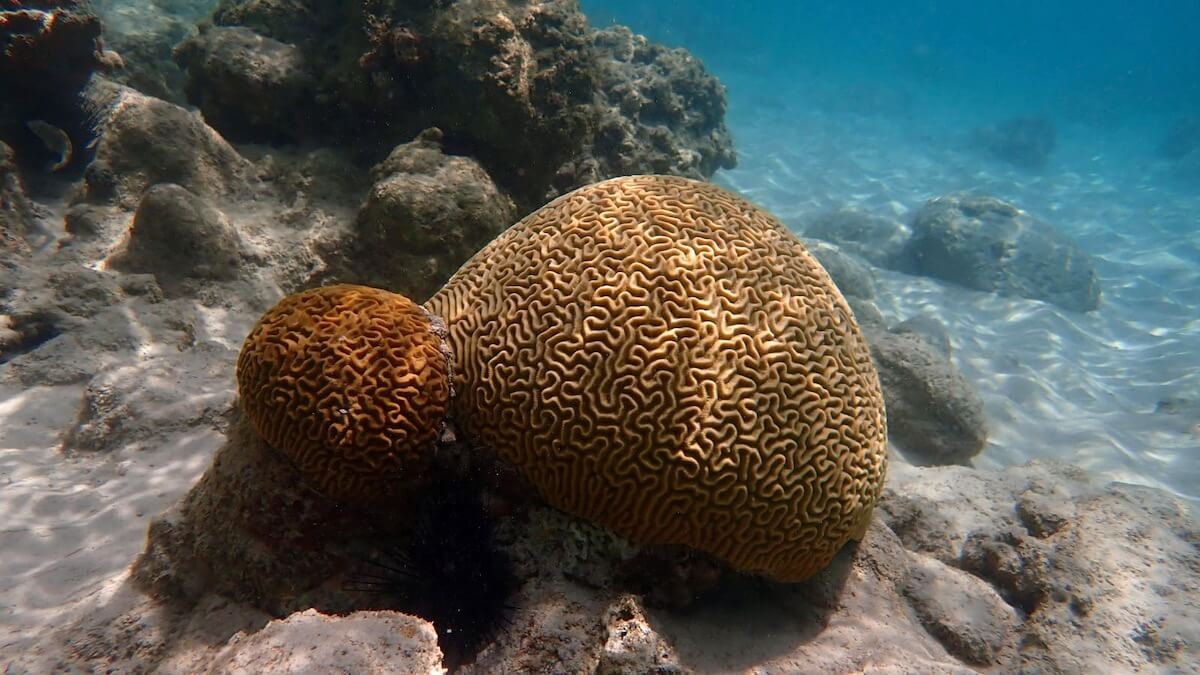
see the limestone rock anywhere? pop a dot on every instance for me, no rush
(17, 211)
(528, 89)
(1099, 576)
(875, 239)
(850, 275)
(247, 85)
(966, 615)
(178, 235)
(933, 413)
(148, 65)
(1022, 141)
(362, 642)
(660, 111)
(251, 530)
(633, 646)
(49, 50)
(990, 245)
(427, 213)
(1181, 139)
(144, 141)
(928, 328)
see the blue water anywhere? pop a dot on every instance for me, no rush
(871, 104)
(1103, 60)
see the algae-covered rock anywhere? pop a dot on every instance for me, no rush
(144, 141)
(17, 211)
(991, 245)
(381, 642)
(933, 413)
(542, 100)
(1025, 142)
(247, 85)
(177, 235)
(427, 213)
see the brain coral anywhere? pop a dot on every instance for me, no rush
(349, 382)
(666, 359)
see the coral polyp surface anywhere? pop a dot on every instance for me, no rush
(350, 382)
(664, 358)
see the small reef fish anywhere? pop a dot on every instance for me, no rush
(56, 141)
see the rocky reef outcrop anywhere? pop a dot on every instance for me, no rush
(48, 52)
(659, 111)
(541, 99)
(1028, 569)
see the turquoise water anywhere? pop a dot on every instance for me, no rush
(1107, 61)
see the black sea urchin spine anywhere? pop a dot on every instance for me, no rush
(448, 571)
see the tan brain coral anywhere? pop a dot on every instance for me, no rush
(350, 382)
(666, 359)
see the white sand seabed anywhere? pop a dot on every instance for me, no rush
(1077, 387)
(72, 521)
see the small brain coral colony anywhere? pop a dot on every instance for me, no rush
(351, 383)
(664, 358)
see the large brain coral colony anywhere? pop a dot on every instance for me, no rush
(667, 360)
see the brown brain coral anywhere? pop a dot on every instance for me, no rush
(349, 382)
(666, 359)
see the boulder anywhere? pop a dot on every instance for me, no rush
(146, 49)
(177, 235)
(991, 245)
(930, 329)
(427, 213)
(361, 642)
(248, 530)
(1182, 139)
(850, 275)
(876, 239)
(933, 413)
(247, 85)
(144, 141)
(1025, 142)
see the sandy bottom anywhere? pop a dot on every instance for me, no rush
(71, 521)
(1082, 388)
